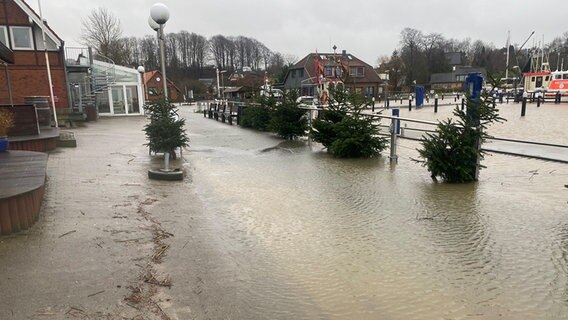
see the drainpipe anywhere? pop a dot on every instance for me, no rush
(9, 84)
(48, 66)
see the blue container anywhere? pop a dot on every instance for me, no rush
(419, 96)
(3, 144)
(396, 113)
(473, 85)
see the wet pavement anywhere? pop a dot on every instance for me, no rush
(262, 228)
(96, 251)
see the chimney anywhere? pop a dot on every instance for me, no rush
(344, 52)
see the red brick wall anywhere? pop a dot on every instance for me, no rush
(10, 13)
(29, 73)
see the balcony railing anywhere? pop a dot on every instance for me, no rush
(78, 56)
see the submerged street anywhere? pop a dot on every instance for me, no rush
(263, 228)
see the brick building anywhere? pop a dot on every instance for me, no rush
(354, 73)
(20, 31)
(154, 87)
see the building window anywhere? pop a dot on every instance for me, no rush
(301, 73)
(357, 71)
(328, 71)
(4, 35)
(21, 38)
(293, 73)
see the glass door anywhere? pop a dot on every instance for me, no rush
(132, 99)
(118, 102)
(103, 102)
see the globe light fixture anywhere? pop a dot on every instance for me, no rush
(160, 13)
(153, 24)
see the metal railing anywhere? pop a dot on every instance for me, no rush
(406, 128)
(78, 56)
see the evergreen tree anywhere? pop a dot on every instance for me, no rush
(452, 152)
(344, 130)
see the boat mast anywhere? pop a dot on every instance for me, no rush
(507, 64)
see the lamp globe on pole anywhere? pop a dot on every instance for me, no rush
(153, 24)
(160, 13)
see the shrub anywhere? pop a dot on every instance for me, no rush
(256, 117)
(452, 152)
(6, 122)
(344, 130)
(166, 131)
(288, 121)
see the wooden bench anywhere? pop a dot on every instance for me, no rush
(25, 120)
(230, 113)
(218, 113)
(208, 112)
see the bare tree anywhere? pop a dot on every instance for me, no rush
(149, 52)
(219, 45)
(101, 30)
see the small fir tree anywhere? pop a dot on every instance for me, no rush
(452, 152)
(287, 121)
(257, 116)
(344, 130)
(166, 131)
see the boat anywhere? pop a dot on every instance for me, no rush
(558, 84)
(537, 75)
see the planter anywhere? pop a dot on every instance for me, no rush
(3, 144)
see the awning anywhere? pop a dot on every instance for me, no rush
(6, 54)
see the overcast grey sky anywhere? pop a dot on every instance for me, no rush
(366, 28)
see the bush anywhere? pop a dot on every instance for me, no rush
(344, 131)
(288, 121)
(166, 131)
(256, 117)
(452, 152)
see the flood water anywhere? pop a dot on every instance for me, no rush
(301, 235)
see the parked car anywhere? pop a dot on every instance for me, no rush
(307, 101)
(276, 93)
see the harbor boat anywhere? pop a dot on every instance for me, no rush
(538, 76)
(558, 84)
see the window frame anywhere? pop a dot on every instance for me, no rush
(354, 72)
(13, 39)
(5, 28)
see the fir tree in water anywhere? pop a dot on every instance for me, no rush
(452, 152)
(344, 130)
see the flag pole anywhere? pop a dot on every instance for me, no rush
(48, 66)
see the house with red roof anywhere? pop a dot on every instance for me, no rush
(321, 69)
(154, 87)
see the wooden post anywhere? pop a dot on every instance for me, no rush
(436, 105)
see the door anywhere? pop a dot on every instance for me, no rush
(132, 100)
(118, 101)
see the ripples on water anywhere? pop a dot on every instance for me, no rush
(313, 237)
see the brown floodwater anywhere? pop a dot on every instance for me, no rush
(296, 234)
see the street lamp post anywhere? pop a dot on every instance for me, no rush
(141, 70)
(218, 89)
(223, 84)
(159, 15)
